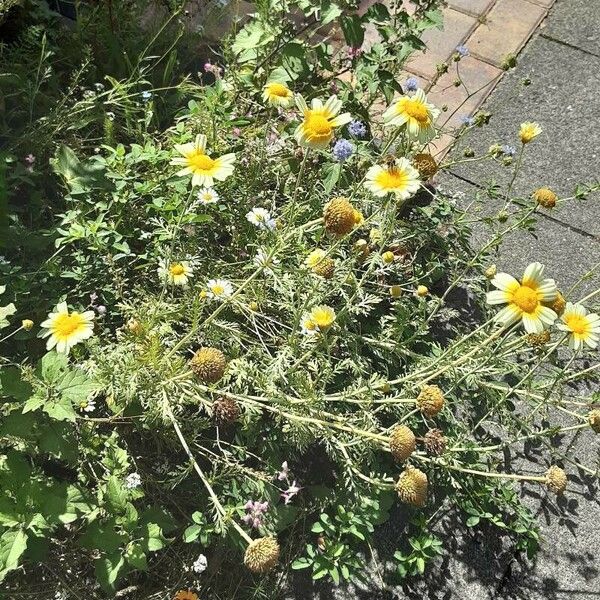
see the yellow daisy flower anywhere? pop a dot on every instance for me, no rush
(322, 316)
(196, 162)
(175, 273)
(584, 327)
(528, 131)
(278, 94)
(416, 113)
(314, 258)
(65, 329)
(525, 299)
(319, 121)
(398, 177)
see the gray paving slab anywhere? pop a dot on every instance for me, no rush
(563, 97)
(576, 22)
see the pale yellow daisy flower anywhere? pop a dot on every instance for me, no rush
(414, 112)
(398, 177)
(528, 131)
(64, 329)
(319, 121)
(175, 273)
(524, 299)
(278, 94)
(314, 258)
(583, 327)
(196, 162)
(322, 316)
(219, 289)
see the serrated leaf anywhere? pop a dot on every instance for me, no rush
(6, 311)
(13, 385)
(116, 495)
(76, 386)
(61, 410)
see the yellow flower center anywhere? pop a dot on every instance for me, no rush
(322, 318)
(217, 290)
(278, 89)
(417, 110)
(177, 269)
(65, 325)
(392, 179)
(318, 125)
(577, 324)
(201, 162)
(526, 299)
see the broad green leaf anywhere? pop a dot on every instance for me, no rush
(76, 386)
(6, 311)
(52, 365)
(330, 11)
(190, 534)
(13, 385)
(136, 557)
(12, 545)
(107, 570)
(59, 440)
(154, 537)
(9, 516)
(18, 425)
(61, 410)
(354, 34)
(116, 495)
(36, 401)
(102, 536)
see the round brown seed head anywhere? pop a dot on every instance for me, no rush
(226, 411)
(558, 305)
(412, 486)
(339, 216)
(435, 442)
(538, 340)
(402, 443)
(556, 480)
(262, 555)
(545, 197)
(426, 165)
(325, 268)
(208, 364)
(594, 419)
(430, 400)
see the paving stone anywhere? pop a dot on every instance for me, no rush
(441, 43)
(566, 153)
(477, 80)
(544, 3)
(507, 27)
(576, 22)
(473, 7)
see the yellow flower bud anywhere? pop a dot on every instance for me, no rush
(388, 257)
(395, 291)
(27, 324)
(422, 291)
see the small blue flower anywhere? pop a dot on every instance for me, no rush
(467, 120)
(357, 129)
(462, 51)
(343, 150)
(411, 84)
(509, 150)
(146, 96)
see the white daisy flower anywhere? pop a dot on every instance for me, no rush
(219, 289)
(583, 327)
(175, 273)
(262, 260)
(525, 299)
(261, 217)
(64, 329)
(208, 196)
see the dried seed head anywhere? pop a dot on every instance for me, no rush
(435, 442)
(558, 305)
(226, 411)
(538, 340)
(208, 364)
(402, 443)
(340, 216)
(430, 400)
(185, 595)
(262, 555)
(426, 165)
(412, 486)
(556, 480)
(491, 271)
(594, 419)
(325, 268)
(545, 197)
